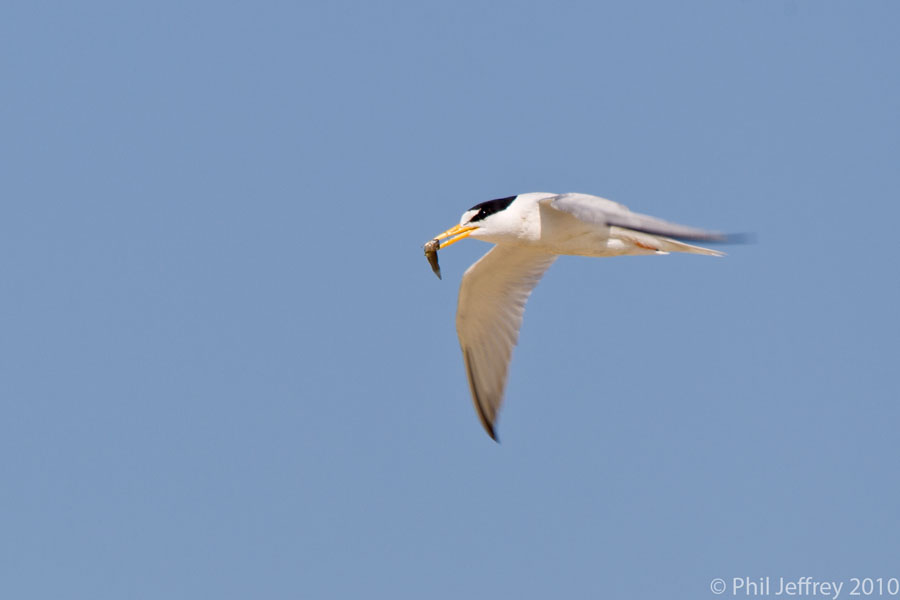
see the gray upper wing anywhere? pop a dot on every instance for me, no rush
(600, 211)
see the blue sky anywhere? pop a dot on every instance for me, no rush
(227, 371)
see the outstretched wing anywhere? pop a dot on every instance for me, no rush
(600, 211)
(492, 299)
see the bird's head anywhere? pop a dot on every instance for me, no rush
(479, 221)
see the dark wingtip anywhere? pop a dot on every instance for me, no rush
(721, 238)
(740, 238)
(482, 416)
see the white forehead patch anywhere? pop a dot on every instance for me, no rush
(467, 216)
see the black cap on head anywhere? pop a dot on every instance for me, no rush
(490, 207)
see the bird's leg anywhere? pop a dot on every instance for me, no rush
(644, 246)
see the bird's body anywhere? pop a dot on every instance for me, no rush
(581, 225)
(530, 231)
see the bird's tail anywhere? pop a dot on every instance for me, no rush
(660, 244)
(671, 245)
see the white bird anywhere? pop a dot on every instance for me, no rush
(529, 231)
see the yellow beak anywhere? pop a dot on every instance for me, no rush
(455, 233)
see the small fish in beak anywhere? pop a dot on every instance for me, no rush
(431, 249)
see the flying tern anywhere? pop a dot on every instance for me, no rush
(529, 232)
